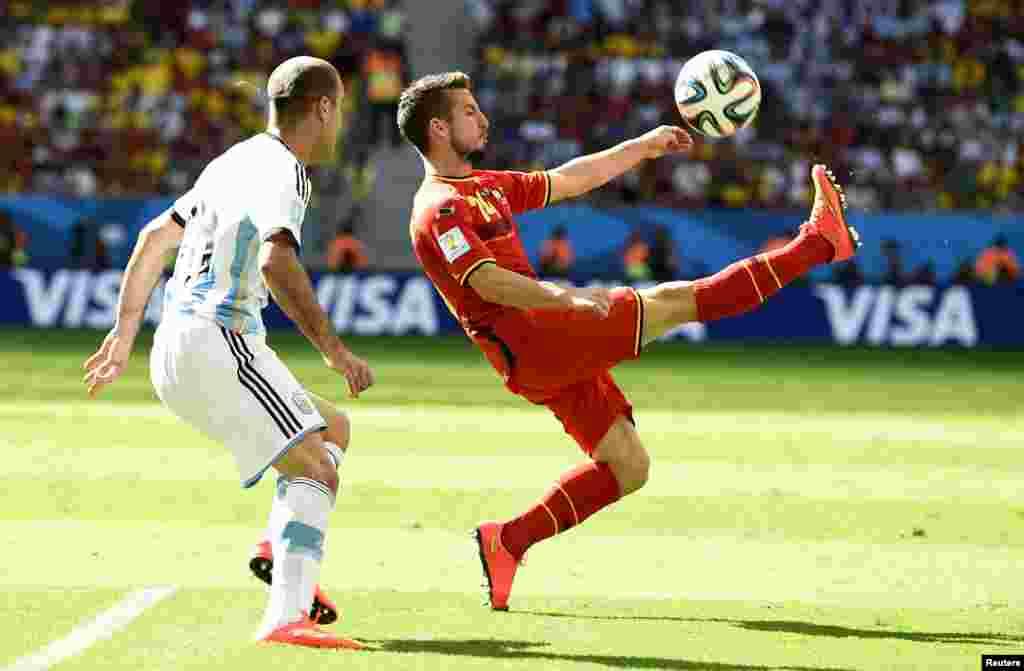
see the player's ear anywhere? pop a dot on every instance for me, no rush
(439, 126)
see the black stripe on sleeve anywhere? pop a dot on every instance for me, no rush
(178, 219)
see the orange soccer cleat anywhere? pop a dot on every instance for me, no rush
(323, 610)
(499, 566)
(304, 632)
(827, 217)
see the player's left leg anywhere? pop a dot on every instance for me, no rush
(596, 414)
(298, 544)
(261, 563)
(746, 284)
(620, 466)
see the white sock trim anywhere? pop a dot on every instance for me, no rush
(336, 454)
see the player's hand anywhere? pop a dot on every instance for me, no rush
(109, 361)
(356, 371)
(597, 301)
(665, 140)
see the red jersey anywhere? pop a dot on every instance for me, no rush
(459, 225)
(557, 358)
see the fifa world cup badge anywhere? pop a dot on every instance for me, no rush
(302, 403)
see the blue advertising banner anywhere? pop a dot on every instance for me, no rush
(397, 304)
(704, 239)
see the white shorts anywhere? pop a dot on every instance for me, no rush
(234, 389)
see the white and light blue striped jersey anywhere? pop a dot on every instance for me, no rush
(250, 192)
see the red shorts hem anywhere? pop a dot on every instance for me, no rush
(587, 410)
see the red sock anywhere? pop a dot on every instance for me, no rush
(579, 494)
(746, 284)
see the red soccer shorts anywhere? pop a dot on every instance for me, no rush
(561, 359)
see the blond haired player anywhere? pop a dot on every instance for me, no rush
(240, 229)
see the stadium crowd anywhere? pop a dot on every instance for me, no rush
(114, 97)
(918, 104)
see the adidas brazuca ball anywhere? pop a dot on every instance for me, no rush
(717, 93)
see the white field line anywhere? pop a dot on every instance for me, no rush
(103, 627)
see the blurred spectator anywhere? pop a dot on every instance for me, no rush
(924, 275)
(779, 241)
(848, 274)
(636, 258)
(964, 275)
(346, 252)
(13, 243)
(997, 263)
(383, 72)
(664, 263)
(89, 250)
(893, 275)
(556, 255)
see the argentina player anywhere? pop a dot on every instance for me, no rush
(239, 230)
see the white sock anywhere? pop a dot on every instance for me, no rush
(298, 524)
(277, 510)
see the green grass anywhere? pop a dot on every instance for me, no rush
(809, 508)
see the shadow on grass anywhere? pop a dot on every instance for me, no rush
(813, 629)
(530, 650)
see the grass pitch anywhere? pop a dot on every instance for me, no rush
(808, 509)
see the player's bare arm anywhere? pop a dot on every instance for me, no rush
(504, 287)
(290, 285)
(586, 173)
(141, 274)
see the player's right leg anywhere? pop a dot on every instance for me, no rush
(297, 540)
(261, 562)
(824, 238)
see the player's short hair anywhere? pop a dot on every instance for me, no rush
(426, 99)
(296, 83)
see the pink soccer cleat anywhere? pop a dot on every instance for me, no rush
(499, 566)
(323, 611)
(827, 218)
(304, 632)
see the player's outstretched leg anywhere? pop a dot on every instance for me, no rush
(620, 467)
(826, 237)
(297, 540)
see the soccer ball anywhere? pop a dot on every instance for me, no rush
(717, 93)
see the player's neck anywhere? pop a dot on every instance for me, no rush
(447, 166)
(302, 150)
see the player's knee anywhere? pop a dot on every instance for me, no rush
(318, 460)
(339, 430)
(325, 472)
